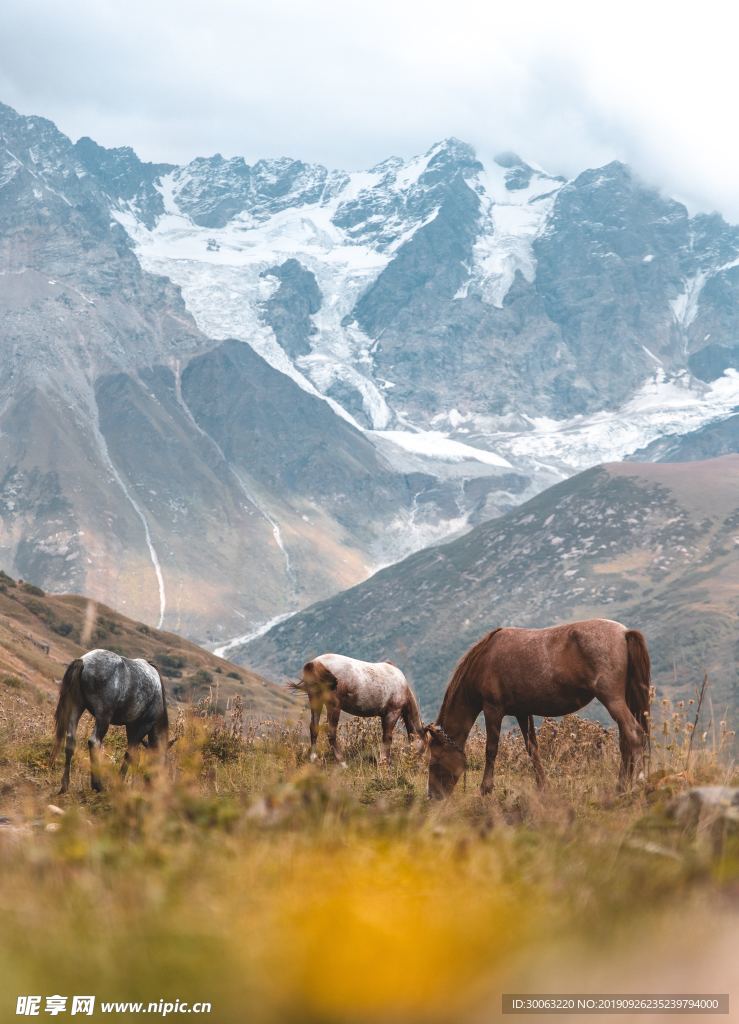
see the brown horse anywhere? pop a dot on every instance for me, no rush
(549, 672)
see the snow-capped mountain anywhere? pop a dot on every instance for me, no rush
(263, 381)
(440, 303)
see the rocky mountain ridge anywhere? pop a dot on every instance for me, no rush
(436, 276)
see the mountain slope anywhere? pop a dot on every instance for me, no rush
(654, 546)
(41, 633)
(230, 389)
(110, 483)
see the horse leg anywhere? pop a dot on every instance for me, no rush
(493, 719)
(526, 725)
(333, 711)
(95, 744)
(316, 706)
(70, 744)
(154, 747)
(128, 756)
(135, 732)
(389, 721)
(630, 737)
(411, 731)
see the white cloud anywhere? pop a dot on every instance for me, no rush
(568, 84)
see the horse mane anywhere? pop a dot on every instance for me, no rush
(465, 669)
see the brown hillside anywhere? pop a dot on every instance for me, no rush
(41, 633)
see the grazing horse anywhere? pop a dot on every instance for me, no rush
(116, 691)
(549, 672)
(360, 688)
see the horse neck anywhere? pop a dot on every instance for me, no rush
(458, 713)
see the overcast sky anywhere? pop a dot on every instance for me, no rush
(566, 84)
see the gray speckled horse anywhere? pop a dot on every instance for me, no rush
(116, 691)
(360, 688)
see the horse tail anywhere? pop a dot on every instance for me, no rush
(412, 715)
(70, 699)
(162, 725)
(315, 677)
(638, 678)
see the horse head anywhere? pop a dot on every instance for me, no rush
(447, 761)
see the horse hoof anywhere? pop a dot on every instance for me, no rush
(313, 757)
(343, 764)
(486, 790)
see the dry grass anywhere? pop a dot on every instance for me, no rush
(281, 890)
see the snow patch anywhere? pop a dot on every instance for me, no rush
(434, 444)
(675, 405)
(223, 287)
(510, 222)
(685, 306)
(652, 355)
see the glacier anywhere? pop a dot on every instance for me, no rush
(346, 228)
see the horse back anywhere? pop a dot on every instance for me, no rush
(589, 640)
(120, 689)
(362, 687)
(554, 670)
(599, 643)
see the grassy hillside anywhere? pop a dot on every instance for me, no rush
(652, 545)
(279, 890)
(41, 633)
